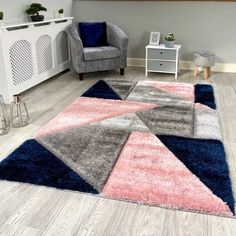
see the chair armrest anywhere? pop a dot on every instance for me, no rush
(74, 33)
(116, 37)
(77, 50)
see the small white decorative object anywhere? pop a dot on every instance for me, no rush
(1, 19)
(55, 14)
(61, 13)
(155, 38)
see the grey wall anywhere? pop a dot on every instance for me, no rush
(196, 25)
(14, 10)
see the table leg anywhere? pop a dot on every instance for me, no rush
(195, 71)
(209, 71)
(205, 72)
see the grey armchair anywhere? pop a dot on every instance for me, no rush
(113, 56)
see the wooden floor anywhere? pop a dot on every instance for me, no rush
(31, 210)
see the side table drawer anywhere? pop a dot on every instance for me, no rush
(166, 66)
(161, 54)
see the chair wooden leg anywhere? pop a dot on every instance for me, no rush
(209, 71)
(81, 76)
(122, 71)
(205, 73)
(195, 71)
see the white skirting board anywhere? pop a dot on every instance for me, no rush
(188, 65)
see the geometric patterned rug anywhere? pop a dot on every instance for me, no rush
(154, 143)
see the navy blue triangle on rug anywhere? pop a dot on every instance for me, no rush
(101, 90)
(34, 164)
(204, 94)
(206, 159)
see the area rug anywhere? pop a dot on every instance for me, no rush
(148, 142)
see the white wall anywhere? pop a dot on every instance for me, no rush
(14, 10)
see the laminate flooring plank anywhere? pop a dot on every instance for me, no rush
(42, 207)
(73, 216)
(10, 203)
(16, 230)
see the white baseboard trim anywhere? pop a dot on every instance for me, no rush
(188, 65)
(138, 62)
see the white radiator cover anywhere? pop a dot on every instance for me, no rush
(31, 53)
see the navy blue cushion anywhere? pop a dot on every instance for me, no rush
(93, 34)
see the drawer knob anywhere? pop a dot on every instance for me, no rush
(160, 64)
(161, 52)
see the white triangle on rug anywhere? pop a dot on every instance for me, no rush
(206, 122)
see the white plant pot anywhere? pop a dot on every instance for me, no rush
(1, 23)
(61, 15)
(169, 44)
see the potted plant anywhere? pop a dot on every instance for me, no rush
(61, 13)
(1, 18)
(33, 12)
(170, 40)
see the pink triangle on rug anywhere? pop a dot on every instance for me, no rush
(182, 90)
(147, 172)
(84, 111)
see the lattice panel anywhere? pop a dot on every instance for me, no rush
(21, 61)
(44, 54)
(62, 48)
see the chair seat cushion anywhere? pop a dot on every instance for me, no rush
(99, 53)
(93, 34)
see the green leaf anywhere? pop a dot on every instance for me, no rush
(35, 8)
(1, 15)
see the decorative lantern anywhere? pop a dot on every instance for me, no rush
(4, 118)
(19, 113)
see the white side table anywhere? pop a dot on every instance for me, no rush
(162, 59)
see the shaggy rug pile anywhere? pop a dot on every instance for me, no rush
(155, 143)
